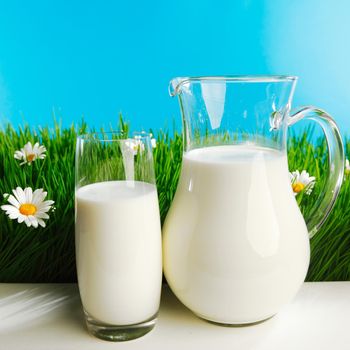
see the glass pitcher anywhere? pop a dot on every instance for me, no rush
(236, 246)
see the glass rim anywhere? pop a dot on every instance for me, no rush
(176, 83)
(100, 136)
(249, 77)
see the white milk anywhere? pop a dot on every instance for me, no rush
(118, 247)
(236, 246)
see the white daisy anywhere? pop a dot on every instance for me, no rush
(153, 141)
(302, 182)
(347, 167)
(136, 144)
(28, 207)
(29, 153)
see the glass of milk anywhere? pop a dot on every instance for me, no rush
(117, 234)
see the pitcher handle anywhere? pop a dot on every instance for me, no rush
(329, 193)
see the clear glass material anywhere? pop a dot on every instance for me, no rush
(117, 234)
(236, 247)
(234, 110)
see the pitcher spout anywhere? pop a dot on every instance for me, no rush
(176, 84)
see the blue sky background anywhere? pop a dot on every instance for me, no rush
(99, 58)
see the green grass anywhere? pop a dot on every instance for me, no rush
(47, 254)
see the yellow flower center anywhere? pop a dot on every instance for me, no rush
(30, 157)
(298, 187)
(27, 209)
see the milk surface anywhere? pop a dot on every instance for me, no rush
(118, 248)
(235, 244)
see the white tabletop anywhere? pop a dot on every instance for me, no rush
(49, 316)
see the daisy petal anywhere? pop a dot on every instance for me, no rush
(29, 194)
(33, 221)
(27, 221)
(13, 215)
(11, 199)
(9, 208)
(38, 191)
(47, 203)
(20, 195)
(42, 215)
(21, 218)
(44, 209)
(18, 155)
(39, 196)
(41, 222)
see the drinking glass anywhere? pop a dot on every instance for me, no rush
(117, 234)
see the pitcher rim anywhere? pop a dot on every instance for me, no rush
(175, 83)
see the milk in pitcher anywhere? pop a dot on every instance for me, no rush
(236, 246)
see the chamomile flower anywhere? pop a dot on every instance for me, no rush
(347, 167)
(302, 182)
(136, 145)
(28, 206)
(29, 153)
(153, 142)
